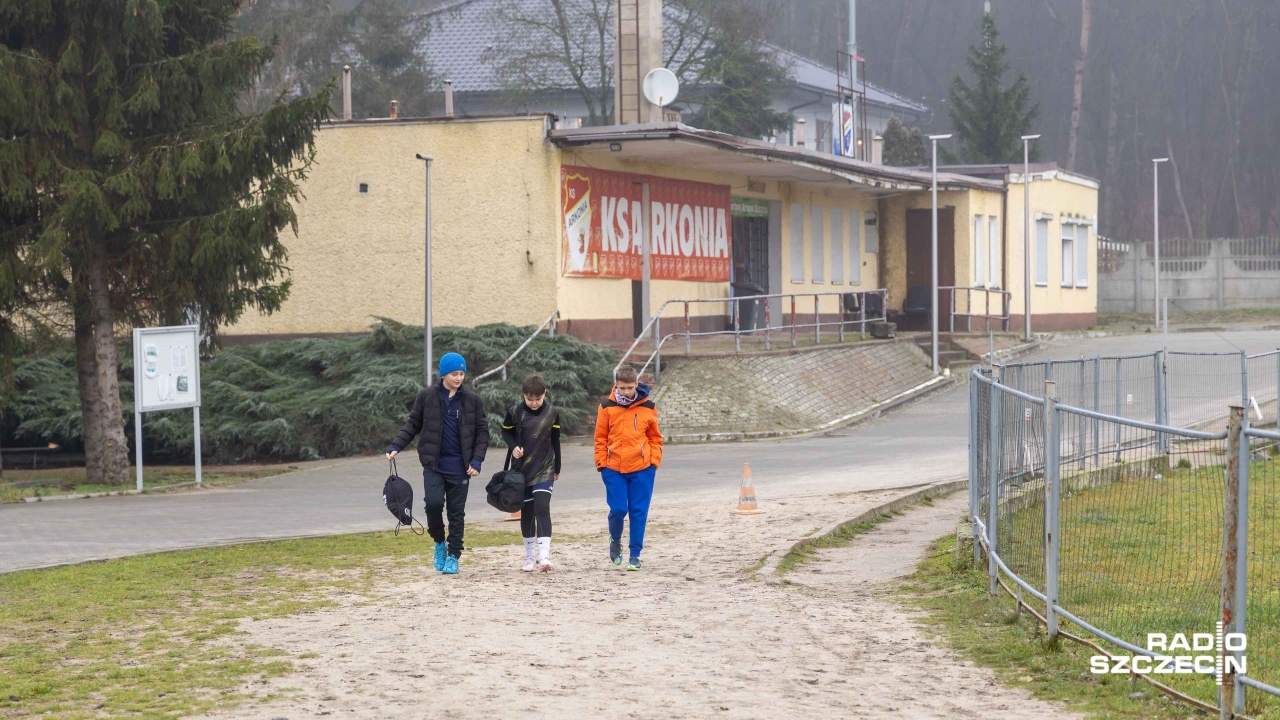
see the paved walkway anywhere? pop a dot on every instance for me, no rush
(921, 443)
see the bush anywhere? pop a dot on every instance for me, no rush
(317, 397)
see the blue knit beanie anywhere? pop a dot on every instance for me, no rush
(452, 362)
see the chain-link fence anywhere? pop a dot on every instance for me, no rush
(1140, 495)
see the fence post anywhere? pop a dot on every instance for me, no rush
(840, 303)
(862, 316)
(687, 342)
(1053, 490)
(973, 464)
(817, 322)
(767, 322)
(994, 429)
(793, 321)
(657, 346)
(1162, 439)
(1119, 403)
(1097, 407)
(1231, 555)
(737, 337)
(1242, 548)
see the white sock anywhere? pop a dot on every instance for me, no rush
(544, 549)
(529, 545)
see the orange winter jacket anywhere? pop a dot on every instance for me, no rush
(627, 438)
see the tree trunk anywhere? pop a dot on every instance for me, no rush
(1177, 186)
(1111, 183)
(106, 450)
(1078, 97)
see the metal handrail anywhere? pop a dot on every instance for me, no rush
(1005, 300)
(507, 363)
(653, 328)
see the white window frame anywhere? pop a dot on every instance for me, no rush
(855, 247)
(1042, 250)
(995, 268)
(797, 242)
(979, 253)
(1067, 240)
(817, 248)
(835, 236)
(1082, 254)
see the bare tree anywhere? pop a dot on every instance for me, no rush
(1077, 98)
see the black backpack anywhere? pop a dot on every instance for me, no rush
(505, 490)
(397, 495)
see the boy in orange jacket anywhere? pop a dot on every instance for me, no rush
(628, 452)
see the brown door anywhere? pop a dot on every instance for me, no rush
(919, 270)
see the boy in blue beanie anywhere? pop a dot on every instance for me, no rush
(453, 435)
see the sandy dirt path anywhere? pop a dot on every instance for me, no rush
(692, 635)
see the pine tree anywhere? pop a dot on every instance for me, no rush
(740, 72)
(902, 147)
(988, 118)
(133, 192)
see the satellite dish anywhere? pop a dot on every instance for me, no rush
(661, 87)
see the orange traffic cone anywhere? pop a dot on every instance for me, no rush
(747, 494)
(513, 516)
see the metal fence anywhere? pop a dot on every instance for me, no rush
(1135, 495)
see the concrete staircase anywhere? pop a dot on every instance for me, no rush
(949, 355)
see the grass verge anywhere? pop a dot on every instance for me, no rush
(985, 631)
(20, 484)
(145, 636)
(1227, 316)
(808, 552)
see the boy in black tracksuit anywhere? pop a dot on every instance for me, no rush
(531, 429)
(453, 434)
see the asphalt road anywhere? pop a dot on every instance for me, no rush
(920, 443)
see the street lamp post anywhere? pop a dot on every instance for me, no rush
(427, 329)
(1155, 214)
(1026, 235)
(933, 259)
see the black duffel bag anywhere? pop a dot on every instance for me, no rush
(505, 490)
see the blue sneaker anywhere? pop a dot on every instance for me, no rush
(615, 551)
(442, 552)
(450, 565)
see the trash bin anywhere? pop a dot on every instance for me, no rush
(746, 308)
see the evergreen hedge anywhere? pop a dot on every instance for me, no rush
(314, 398)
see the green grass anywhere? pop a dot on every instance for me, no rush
(19, 484)
(1179, 317)
(808, 552)
(144, 636)
(1138, 555)
(959, 610)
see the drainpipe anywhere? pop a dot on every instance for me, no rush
(346, 92)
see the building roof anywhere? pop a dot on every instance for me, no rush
(466, 34)
(1012, 172)
(679, 144)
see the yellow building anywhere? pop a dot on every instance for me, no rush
(527, 220)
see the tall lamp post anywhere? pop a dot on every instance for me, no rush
(1155, 190)
(933, 259)
(1026, 235)
(426, 329)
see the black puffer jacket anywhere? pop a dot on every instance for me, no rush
(427, 421)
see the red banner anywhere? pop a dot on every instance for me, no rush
(689, 222)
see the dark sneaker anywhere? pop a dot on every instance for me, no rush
(634, 564)
(615, 551)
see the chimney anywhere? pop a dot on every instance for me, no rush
(637, 50)
(448, 98)
(800, 132)
(346, 92)
(395, 109)
(877, 150)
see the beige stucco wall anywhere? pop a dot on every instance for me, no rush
(893, 235)
(808, 196)
(1060, 198)
(594, 298)
(495, 238)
